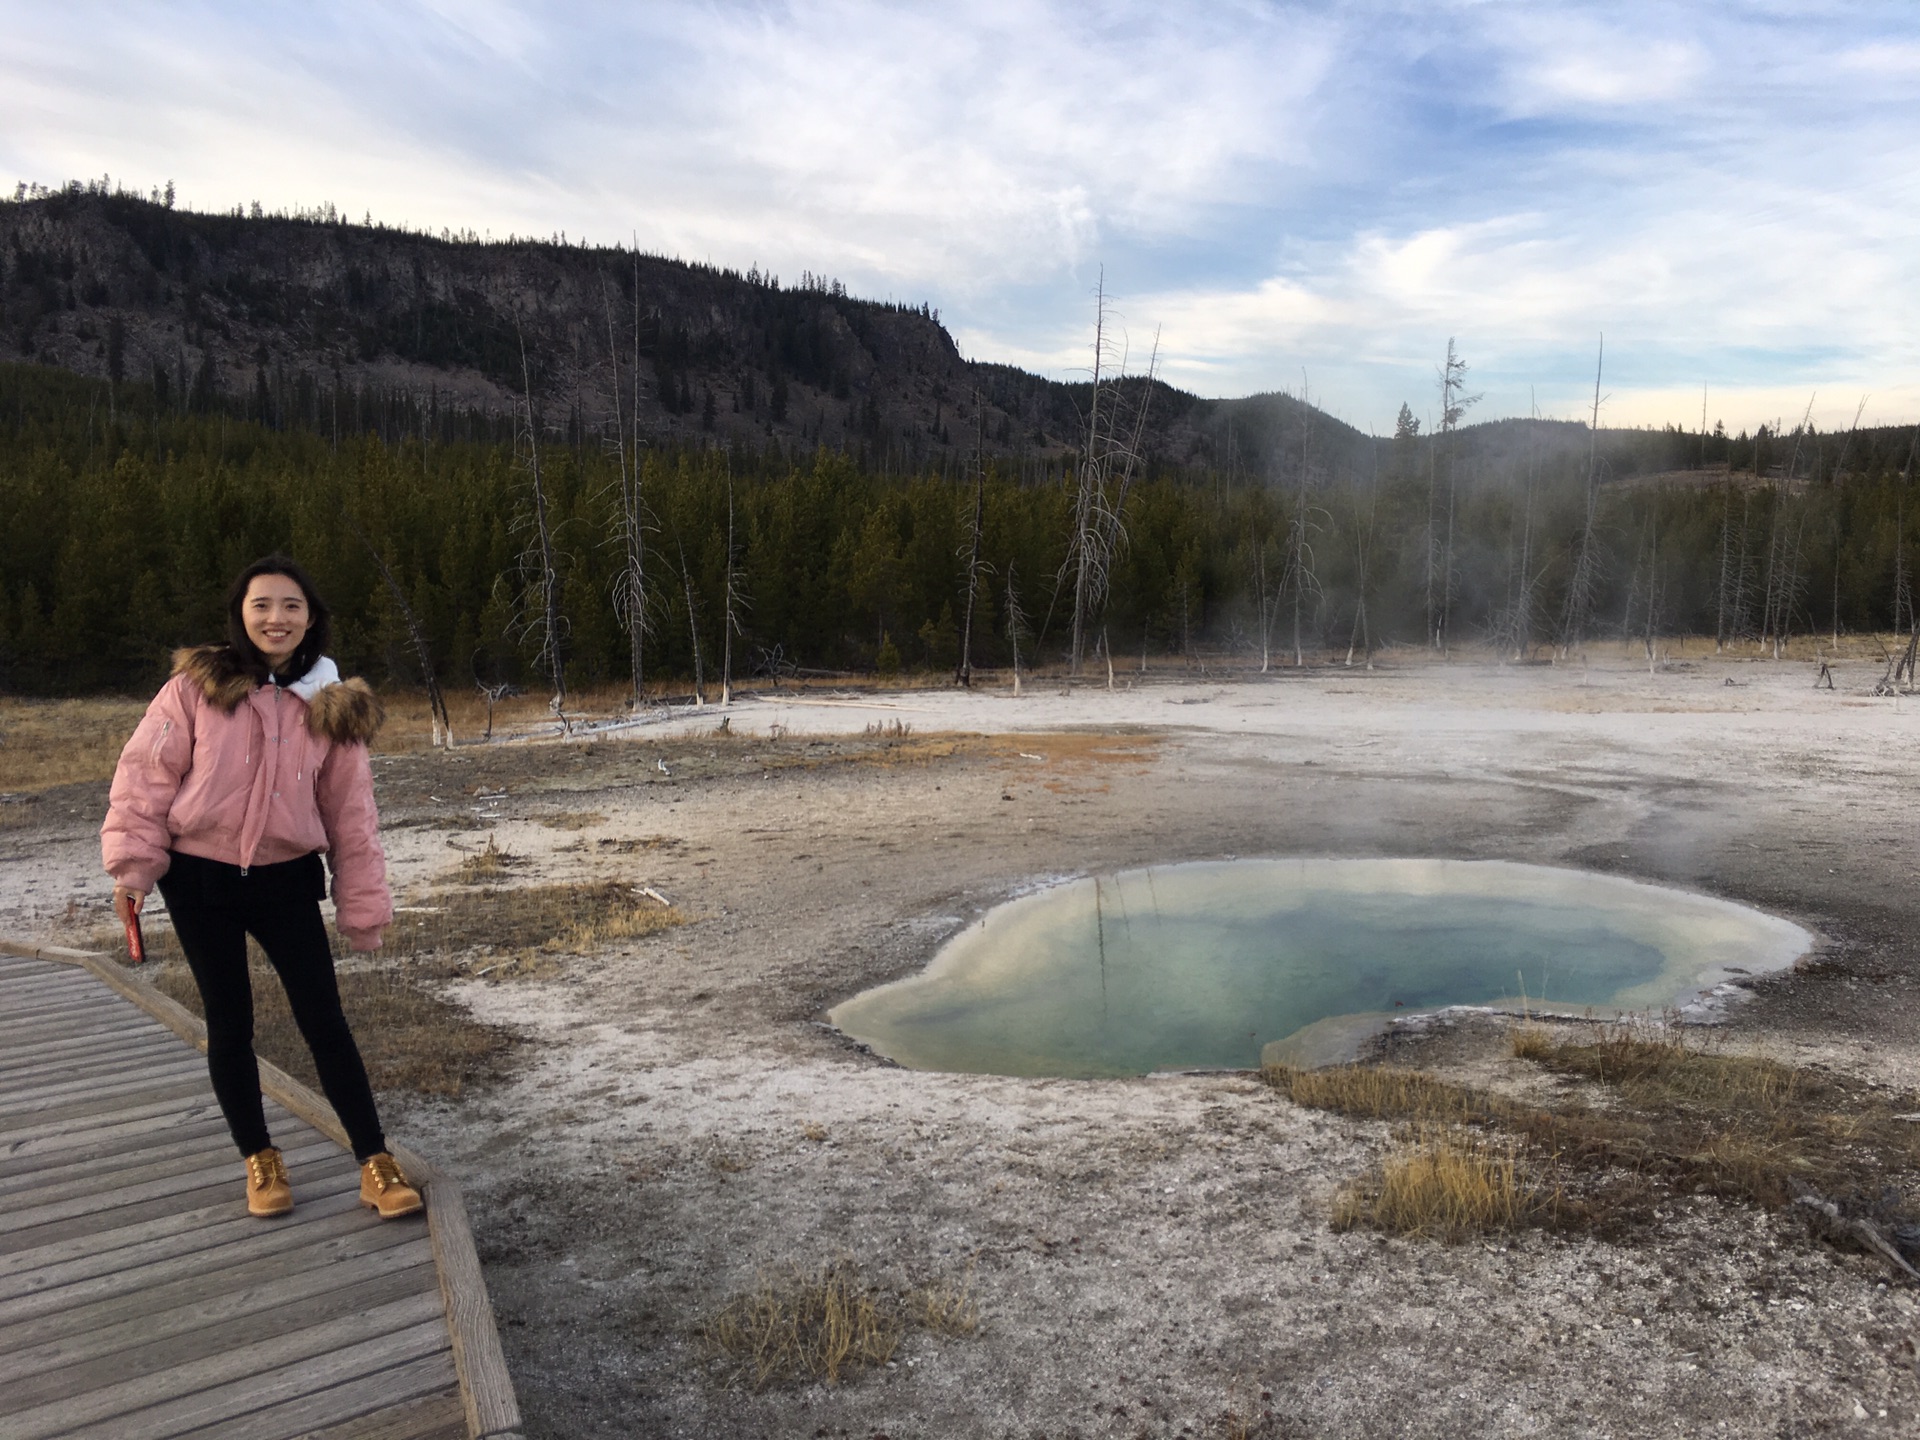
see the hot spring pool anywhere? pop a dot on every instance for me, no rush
(1211, 964)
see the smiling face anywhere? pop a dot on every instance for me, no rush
(276, 616)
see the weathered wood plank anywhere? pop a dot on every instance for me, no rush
(273, 1306)
(387, 1392)
(80, 1108)
(486, 1387)
(27, 997)
(110, 1077)
(158, 1109)
(104, 1128)
(77, 1027)
(245, 1379)
(118, 1257)
(49, 1315)
(62, 1005)
(32, 1211)
(23, 1005)
(27, 1161)
(16, 971)
(58, 1221)
(48, 1091)
(118, 1210)
(438, 1416)
(26, 1057)
(150, 1049)
(199, 1154)
(110, 1026)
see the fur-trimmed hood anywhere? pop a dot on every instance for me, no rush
(345, 711)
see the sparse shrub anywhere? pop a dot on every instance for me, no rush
(1531, 1041)
(948, 1307)
(409, 1037)
(1377, 1092)
(551, 918)
(1444, 1182)
(797, 1326)
(488, 864)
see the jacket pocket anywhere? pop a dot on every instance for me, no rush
(160, 742)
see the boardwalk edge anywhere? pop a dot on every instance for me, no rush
(486, 1389)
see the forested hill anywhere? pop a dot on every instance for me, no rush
(312, 322)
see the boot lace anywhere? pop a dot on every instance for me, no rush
(265, 1168)
(384, 1172)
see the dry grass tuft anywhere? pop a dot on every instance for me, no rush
(1445, 1183)
(485, 866)
(888, 730)
(1378, 1092)
(1531, 1041)
(796, 1326)
(635, 844)
(550, 919)
(572, 820)
(948, 1307)
(1656, 1116)
(410, 1038)
(44, 743)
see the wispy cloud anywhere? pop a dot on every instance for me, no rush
(1731, 192)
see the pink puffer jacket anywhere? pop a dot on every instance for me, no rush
(249, 774)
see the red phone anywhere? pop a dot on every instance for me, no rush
(136, 947)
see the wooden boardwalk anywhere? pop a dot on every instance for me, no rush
(139, 1300)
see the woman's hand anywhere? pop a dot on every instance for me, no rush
(127, 903)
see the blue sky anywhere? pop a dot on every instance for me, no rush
(1292, 195)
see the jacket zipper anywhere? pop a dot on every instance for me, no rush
(166, 729)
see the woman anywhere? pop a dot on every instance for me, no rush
(248, 766)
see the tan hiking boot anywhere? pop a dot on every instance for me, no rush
(268, 1191)
(384, 1188)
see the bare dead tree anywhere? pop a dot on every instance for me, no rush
(1838, 469)
(734, 601)
(1267, 597)
(630, 525)
(1454, 403)
(1902, 584)
(1362, 549)
(1585, 579)
(964, 674)
(1722, 593)
(1107, 467)
(693, 626)
(1300, 559)
(538, 565)
(1016, 624)
(1653, 584)
(417, 639)
(1522, 625)
(1783, 547)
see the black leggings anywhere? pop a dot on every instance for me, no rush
(214, 908)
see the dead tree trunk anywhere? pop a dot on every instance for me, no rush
(1016, 625)
(1580, 587)
(1300, 553)
(630, 585)
(548, 624)
(734, 602)
(964, 675)
(693, 627)
(417, 639)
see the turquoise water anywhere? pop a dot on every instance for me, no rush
(1203, 965)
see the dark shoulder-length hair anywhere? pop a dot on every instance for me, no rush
(319, 618)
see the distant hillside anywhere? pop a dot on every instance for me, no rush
(283, 317)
